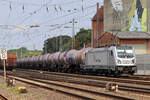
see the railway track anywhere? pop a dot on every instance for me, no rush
(133, 79)
(2, 97)
(73, 91)
(75, 79)
(90, 81)
(85, 80)
(141, 77)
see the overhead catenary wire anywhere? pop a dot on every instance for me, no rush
(44, 5)
(56, 28)
(67, 14)
(47, 5)
(52, 30)
(37, 4)
(56, 18)
(45, 22)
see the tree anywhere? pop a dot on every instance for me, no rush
(83, 37)
(53, 44)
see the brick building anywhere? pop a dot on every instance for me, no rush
(139, 40)
(97, 25)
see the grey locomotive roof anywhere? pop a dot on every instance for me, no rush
(132, 35)
(98, 49)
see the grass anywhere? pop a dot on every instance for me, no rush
(13, 89)
(33, 53)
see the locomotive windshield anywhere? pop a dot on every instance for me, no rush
(125, 52)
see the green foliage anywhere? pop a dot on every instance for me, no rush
(23, 52)
(34, 53)
(67, 46)
(82, 38)
(53, 44)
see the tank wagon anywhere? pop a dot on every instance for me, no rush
(114, 60)
(10, 62)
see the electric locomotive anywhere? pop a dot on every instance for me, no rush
(114, 60)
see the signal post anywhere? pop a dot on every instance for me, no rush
(4, 57)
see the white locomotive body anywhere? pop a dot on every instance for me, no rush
(114, 60)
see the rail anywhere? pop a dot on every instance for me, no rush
(2, 97)
(77, 80)
(89, 94)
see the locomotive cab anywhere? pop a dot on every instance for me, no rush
(115, 60)
(125, 59)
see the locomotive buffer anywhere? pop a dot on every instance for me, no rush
(4, 57)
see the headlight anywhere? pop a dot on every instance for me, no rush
(119, 61)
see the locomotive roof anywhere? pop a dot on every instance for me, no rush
(98, 49)
(108, 48)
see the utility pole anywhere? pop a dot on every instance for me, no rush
(60, 39)
(4, 69)
(56, 44)
(46, 46)
(60, 43)
(21, 52)
(73, 32)
(16, 53)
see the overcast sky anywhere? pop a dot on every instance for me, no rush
(19, 18)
